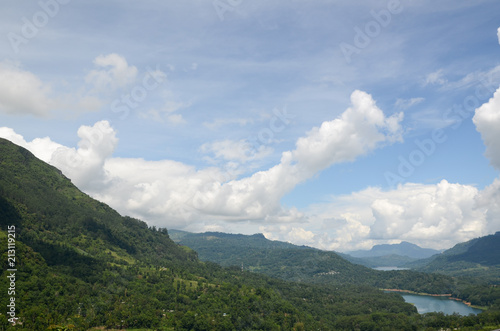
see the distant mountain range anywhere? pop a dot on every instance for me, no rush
(479, 258)
(389, 255)
(300, 263)
(403, 249)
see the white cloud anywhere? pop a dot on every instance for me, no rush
(301, 236)
(435, 78)
(360, 129)
(407, 103)
(487, 121)
(498, 35)
(85, 164)
(42, 148)
(428, 213)
(292, 234)
(116, 72)
(436, 216)
(22, 92)
(489, 199)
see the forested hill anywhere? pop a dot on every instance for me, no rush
(274, 258)
(479, 258)
(301, 263)
(79, 264)
(56, 219)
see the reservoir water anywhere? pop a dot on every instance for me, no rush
(390, 268)
(427, 304)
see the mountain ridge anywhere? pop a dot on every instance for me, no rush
(402, 249)
(478, 257)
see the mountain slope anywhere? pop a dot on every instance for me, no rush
(479, 258)
(302, 263)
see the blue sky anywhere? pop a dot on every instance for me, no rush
(333, 124)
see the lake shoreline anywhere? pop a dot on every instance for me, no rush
(449, 296)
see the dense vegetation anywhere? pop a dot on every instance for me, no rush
(81, 265)
(478, 258)
(305, 264)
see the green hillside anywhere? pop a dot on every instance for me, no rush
(79, 264)
(309, 265)
(478, 258)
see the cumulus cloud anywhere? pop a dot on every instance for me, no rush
(43, 148)
(83, 165)
(498, 35)
(487, 121)
(22, 92)
(431, 212)
(489, 199)
(359, 130)
(436, 216)
(114, 72)
(294, 234)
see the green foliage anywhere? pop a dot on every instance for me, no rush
(477, 258)
(305, 264)
(309, 265)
